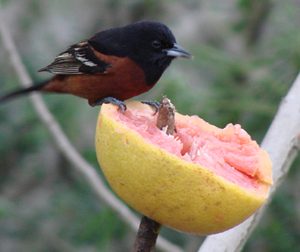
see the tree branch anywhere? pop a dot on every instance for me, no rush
(282, 142)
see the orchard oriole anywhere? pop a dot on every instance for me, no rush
(112, 66)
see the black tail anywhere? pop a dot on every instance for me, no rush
(18, 92)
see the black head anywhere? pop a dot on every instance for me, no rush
(150, 44)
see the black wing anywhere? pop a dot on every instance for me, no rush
(77, 59)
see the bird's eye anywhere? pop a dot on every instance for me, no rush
(156, 43)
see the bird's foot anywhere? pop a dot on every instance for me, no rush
(154, 104)
(121, 104)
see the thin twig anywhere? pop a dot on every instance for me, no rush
(147, 235)
(166, 116)
(149, 229)
(282, 142)
(64, 145)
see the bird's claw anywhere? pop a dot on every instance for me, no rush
(154, 104)
(122, 105)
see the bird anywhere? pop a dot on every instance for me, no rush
(112, 66)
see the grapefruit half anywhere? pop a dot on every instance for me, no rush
(202, 180)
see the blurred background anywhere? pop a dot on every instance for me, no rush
(247, 55)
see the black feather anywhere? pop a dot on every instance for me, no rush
(77, 59)
(19, 92)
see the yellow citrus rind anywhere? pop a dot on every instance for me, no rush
(179, 194)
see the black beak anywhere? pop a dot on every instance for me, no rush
(177, 51)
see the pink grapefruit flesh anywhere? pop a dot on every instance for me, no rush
(202, 180)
